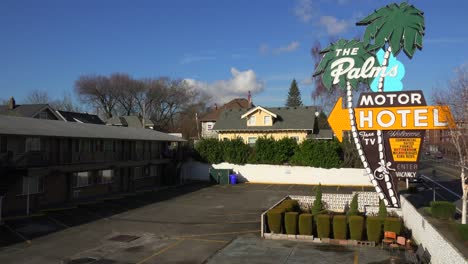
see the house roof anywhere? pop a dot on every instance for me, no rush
(128, 121)
(80, 117)
(25, 110)
(288, 118)
(10, 125)
(251, 111)
(233, 104)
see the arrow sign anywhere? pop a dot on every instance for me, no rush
(390, 118)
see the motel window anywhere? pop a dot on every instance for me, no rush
(137, 172)
(77, 145)
(33, 184)
(154, 172)
(138, 146)
(295, 138)
(33, 144)
(251, 121)
(99, 145)
(81, 178)
(251, 140)
(108, 146)
(106, 176)
(267, 120)
(3, 144)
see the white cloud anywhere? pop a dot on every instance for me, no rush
(303, 10)
(238, 85)
(187, 59)
(333, 25)
(289, 48)
(307, 81)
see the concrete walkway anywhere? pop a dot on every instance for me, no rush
(252, 249)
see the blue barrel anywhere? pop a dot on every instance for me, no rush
(233, 179)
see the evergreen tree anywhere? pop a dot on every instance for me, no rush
(317, 206)
(294, 95)
(353, 207)
(382, 210)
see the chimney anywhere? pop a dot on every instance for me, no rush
(249, 98)
(11, 103)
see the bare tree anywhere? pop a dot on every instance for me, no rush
(97, 91)
(127, 89)
(38, 97)
(456, 97)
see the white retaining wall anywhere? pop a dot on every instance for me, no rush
(279, 174)
(441, 250)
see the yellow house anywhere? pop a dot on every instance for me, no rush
(298, 123)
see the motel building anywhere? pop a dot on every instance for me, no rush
(47, 163)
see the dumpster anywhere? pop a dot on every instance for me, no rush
(233, 179)
(220, 176)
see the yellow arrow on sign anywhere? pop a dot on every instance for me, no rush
(390, 118)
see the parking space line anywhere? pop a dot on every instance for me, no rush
(22, 216)
(18, 234)
(57, 221)
(222, 233)
(207, 240)
(290, 187)
(268, 186)
(160, 251)
(235, 214)
(356, 257)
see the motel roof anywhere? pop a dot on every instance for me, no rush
(10, 125)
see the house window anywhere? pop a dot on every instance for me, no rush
(33, 144)
(251, 140)
(137, 172)
(106, 176)
(3, 144)
(33, 184)
(43, 115)
(267, 120)
(81, 178)
(251, 121)
(295, 138)
(209, 126)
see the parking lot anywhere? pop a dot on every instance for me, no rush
(186, 224)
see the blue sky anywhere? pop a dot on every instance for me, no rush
(222, 47)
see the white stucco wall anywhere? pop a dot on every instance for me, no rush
(440, 249)
(279, 174)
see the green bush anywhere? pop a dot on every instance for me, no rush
(275, 220)
(318, 153)
(340, 227)
(374, 228)
(463, 231)
(305, 224)
(392, 224)
(317, 206)
(382, 209)
(443, 209)
(353, 207)
(290, 222)
(289, 205)
(236, 151)
(210, 150)
(270, 151)
(356, 227)
(323, 226)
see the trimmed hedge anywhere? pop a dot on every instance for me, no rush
(305, 224)
(275, 220)
(290, 222)
(340, 228)
(443, 209)
(392, 224)
(318, 153)
(289, 205)
(463, 231)
(374, 228)
(356, 227)
(323, 226)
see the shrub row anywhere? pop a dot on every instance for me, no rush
(311, 152)
(443, 209)
(303, 224)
